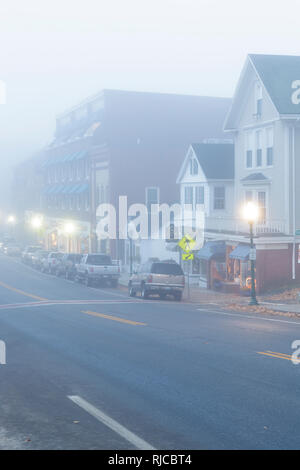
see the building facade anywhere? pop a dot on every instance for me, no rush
(264, 119)
(114, 144)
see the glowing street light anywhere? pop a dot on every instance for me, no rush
(69, 228)
(11, 219)
(36, 222)
(251, 215)
(251, 212)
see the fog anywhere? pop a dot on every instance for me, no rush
(54, 54)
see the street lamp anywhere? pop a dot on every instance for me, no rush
(251, 214)
(69, 229)
(36, 222)
(11, 219)
(131, 230)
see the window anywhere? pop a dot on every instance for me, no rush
(193, 166)
(249, 150)
(219, 198)
(249, 159)
(152, 196)
(188, 195)
(261, 199)
(258, 99)
(269, 140)
(258, 136)
(248, 196)
(199, 194)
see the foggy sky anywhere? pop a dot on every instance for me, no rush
(55, 53)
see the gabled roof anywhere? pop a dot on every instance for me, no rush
(216, 160)
(278, 72)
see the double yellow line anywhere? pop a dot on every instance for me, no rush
(278, 355)
(18, 291)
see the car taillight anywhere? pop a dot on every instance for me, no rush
(150, 279)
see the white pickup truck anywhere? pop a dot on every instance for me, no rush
(97, 267)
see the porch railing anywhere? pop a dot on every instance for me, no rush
(235, 225)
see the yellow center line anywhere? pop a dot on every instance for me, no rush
(13, 289)
(275, 354)
(111, 317)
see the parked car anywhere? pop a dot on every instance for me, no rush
(50, 263)
(5, 241)
(97, 267)
(157, 277)
(28, 252)
(38, 257)
(12, 250)
(67, 265)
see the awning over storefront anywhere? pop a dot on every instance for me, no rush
(65, 158)
(241, 252)
(66, 189)
(211, 250)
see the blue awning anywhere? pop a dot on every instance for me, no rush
(241, 252)
(65, 157)
(211, 249)
(83, 188)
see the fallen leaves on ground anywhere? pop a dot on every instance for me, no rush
(260, 309)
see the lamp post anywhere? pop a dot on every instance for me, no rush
(11, 220)
(37, 223)
(131, 232)
(69, 229)
(251, 213)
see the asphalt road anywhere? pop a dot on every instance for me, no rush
(91, 368)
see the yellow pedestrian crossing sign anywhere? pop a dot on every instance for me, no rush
(187, 243)
(187, 256)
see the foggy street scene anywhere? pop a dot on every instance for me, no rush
(149, 228)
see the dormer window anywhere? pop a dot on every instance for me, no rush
(193, 166)
(258, 99)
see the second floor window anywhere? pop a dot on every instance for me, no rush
(152, 196)
(269, 140)
(219, 198)
(262, 204)
(258, 137)
(249, 150)
(199, 194)
(249, 163)
(188, 195)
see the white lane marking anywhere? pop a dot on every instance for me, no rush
(111, 423)
(248, 316)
